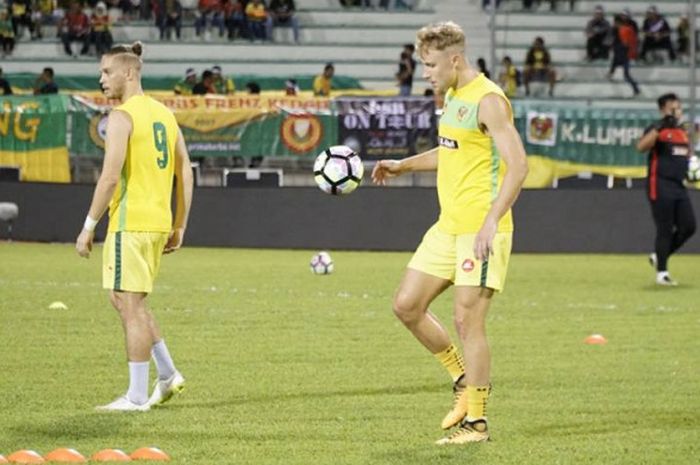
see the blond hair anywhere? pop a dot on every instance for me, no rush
(128, 54)
(439, 36)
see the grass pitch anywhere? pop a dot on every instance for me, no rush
(284, 367)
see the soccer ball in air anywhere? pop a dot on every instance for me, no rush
(338, 170)
(694, 169)
(321, 263)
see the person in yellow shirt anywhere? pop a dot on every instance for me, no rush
(144, 151)
(256, 15)
(223, 85)
(323, 82)
(481, 166)
(509, 79)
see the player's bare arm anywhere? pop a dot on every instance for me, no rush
(495, 119)
(647, 141)
(183, 194)
(118, 132)
(385, 169)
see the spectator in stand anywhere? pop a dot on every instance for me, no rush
(206, 85)
(598, 33)
(683, 30)
(7, 33)
(657, 34)
(222, 85)
(101, 24)
(21, 12)
(45, 84)
(169, 17)
(633, 46)
(291, 87)
(185, 86)
(407, 68)
(211, 14)
(509, 79)
(481, 64)
(43, 12)
(623, 37)
(5, 88)
(538, 66)
(75, 27)
(323, 82)
(282, 13)
(253, 88)
(234, 18)
(256, 15)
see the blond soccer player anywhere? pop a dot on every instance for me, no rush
(481, 166)
(144, 150)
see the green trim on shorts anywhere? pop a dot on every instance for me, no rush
(484, 272)
(117, 261)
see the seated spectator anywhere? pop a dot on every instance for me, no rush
(5, 88)
(205, 86)
(42, 14)
(101, 25)
(45, 84)
(169, 17)
(538, 66)
(481, 64)
(256, 15)
(211, 14)
(509, 79)
(598, 33)
(253, 88)
(234, 19)
(683, 30)
(323, 82)
(185, 86)
(222, 85)
(657, 34)
(75, 27)
(21, 12)
(291, 87)
(281, 12)
(7, 33)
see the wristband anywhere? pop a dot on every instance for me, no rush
(89, 224)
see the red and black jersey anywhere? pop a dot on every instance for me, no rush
(668, 162)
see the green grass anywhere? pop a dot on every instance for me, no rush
(288, 368)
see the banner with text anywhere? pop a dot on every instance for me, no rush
(390, 127)
(33, 137)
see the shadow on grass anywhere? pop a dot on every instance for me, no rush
(71, 428)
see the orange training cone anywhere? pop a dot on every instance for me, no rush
(110, 455)
(65, 455)
(149, 453)
(596, 339)
(25, 456)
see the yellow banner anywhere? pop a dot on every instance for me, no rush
(47, 165)
(544, 170)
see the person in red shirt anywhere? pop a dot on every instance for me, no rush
(234, 18)
(211, 14)
(623, 38)
(75, 27)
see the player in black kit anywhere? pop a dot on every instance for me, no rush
(669, 151)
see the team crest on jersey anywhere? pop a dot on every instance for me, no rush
(468, 265)
(301, 133)
(98, 129)
(462, 113)
(448, 143)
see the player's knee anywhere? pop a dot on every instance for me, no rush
(406, 308)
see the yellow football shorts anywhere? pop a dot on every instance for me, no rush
(451, 257)
(131, 260)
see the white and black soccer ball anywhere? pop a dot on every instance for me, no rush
(694, 169)
(338, 170)
(321, 263)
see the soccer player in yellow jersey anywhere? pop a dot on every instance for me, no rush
(481, 166)
(144, 150)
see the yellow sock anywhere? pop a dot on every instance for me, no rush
(451, 359)
(477, 397)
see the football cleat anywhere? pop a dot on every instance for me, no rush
(665, 280)
(123, 404)
(468, 431)
(459, 406)
(165, 389)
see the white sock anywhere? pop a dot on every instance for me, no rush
(138, 382)
(164, 362)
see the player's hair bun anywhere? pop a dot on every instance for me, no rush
(137, 48)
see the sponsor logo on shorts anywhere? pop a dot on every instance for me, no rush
(449, 143)
(468, 265)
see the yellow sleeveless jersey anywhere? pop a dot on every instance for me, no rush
(142, 199)
(470, 170)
